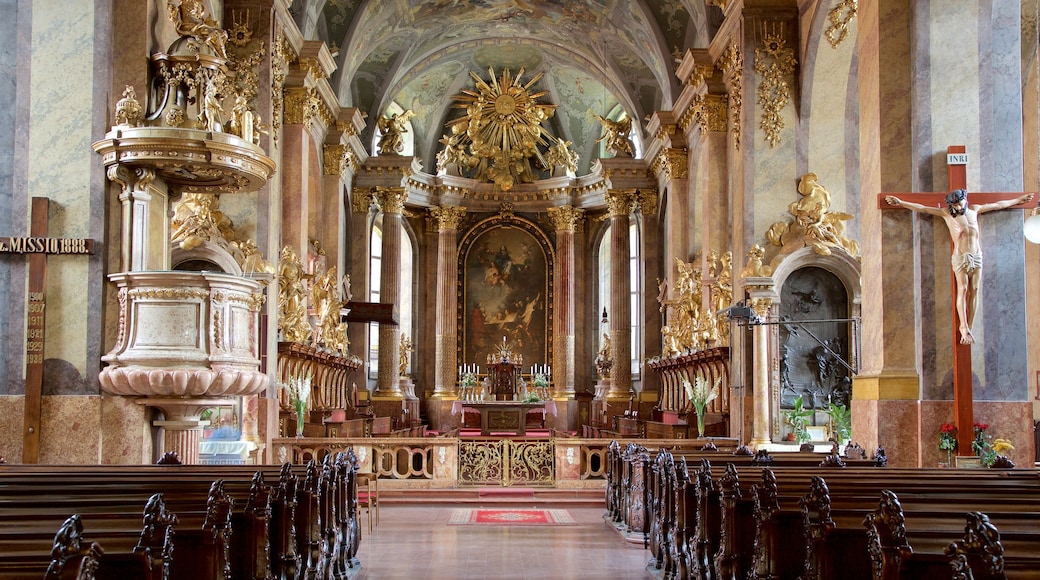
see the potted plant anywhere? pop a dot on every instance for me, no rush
(798, 419)
(841, 422)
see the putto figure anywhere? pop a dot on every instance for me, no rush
(966, 260)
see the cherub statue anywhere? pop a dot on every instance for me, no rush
(616, 134)
(128, 110)
(393, 129)
(814, 224)
(754, 267)
(196, 219)
(189, 18)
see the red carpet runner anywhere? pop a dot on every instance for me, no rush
(511, 517)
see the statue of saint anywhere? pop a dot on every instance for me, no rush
(604, 362)
(406, 351)
(962, 220)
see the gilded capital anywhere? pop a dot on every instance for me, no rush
(565, 218)
(672, 162)
(336, 159)
(619, 201)
(646, 201)
(448, 217)
(391, 199)
(361, 200)
(302, 105)
(715, 113)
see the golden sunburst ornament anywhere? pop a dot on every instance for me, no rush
(501, 131)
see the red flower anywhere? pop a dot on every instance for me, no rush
(948, 428)
(982, 426)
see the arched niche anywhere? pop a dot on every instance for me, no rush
(819, 297)
(197, 258)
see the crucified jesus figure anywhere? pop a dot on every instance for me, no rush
(966, 259)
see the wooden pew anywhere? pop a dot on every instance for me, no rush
(782, 528)
(295, 542)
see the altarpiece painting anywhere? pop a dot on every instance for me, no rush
(505, 290)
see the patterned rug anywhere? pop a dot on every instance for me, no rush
(511, 517)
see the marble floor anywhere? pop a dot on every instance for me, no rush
(416, 543)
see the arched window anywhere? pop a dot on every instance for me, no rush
(635, 283)
(404, 306)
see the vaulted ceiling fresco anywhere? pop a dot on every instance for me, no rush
(597, 57)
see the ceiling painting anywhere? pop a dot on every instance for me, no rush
(594, 55)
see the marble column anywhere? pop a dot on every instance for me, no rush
(446, 357)
(182, 424)
(565, 219)
(761, 424)
(619, 206)
(391, 200)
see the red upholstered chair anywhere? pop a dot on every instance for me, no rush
(368, 497)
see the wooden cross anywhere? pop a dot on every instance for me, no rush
(37, 246)
(957, 173)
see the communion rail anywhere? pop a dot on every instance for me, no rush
(442, 462)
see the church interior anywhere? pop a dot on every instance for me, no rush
(412, 228)
(558, 186)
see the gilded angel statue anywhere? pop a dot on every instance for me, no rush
(393, 129)
(616, 135)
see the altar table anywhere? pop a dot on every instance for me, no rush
(503, 416)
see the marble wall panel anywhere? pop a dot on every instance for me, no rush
(126, 429)
(71, 432)
(12, 412)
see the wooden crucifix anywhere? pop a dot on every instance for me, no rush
(961, 216)
(37, 246)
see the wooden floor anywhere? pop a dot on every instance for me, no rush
(415, 542)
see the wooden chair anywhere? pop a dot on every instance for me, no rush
(368, 497)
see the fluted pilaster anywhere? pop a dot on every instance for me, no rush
(760, 375)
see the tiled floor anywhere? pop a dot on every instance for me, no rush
(416, 543)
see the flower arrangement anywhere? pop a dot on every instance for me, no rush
(469, 380)
(299, 391)
(948, 437)
(989, 452)
(539, 381)
(699, 396)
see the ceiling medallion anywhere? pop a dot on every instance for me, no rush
(499, 135)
